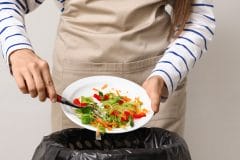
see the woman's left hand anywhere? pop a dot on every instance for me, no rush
(154, 87)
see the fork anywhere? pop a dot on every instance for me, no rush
(63, 100)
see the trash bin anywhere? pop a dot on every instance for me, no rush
(141, 144)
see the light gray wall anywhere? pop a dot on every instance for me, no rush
(213, 115)
(23, 120)
(212, 121)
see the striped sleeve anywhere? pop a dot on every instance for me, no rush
(181, 55)
(13, 34)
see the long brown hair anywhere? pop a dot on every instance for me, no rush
(180, 13)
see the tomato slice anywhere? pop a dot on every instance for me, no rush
(120, 102)
(98, 97)
(115, 113)
(106, 97)
(124, 118)
(77, 102)
(127, 113)
(139, 115)
(83, 104)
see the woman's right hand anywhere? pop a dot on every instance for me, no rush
(32, 75)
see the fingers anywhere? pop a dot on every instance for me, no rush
(48, 82)
(20, 83)
(153, 87)
(30, 84)
(32, 75)
(25, 83)
(30, 81)
(40, 86)
(155, 97)
(155, 101)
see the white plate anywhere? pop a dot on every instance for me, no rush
(84, 87)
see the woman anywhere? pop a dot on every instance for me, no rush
(139, 41)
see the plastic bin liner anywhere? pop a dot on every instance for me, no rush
(141, 144)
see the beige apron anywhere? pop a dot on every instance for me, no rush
(123, 38)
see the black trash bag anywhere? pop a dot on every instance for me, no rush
(141, 144)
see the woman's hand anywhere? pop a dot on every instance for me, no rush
(154, 87)
(32, 75)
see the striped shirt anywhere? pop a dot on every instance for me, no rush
(179, 57)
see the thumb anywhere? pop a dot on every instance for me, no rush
(155, 102)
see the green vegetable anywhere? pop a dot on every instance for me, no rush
(86, 118)
(131, 121)
(112, 101)
(88, 100)
(101, 129)
(86, 110)
(100, 93)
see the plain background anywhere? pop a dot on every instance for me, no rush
(213, 114)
